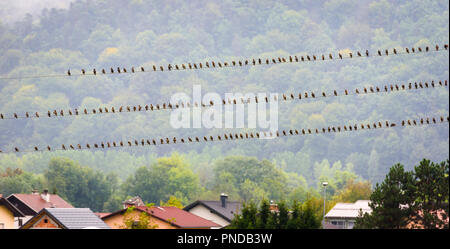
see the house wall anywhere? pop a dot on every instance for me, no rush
(205, 213)
(116, 221)
(6, 218)
(345, 223)
(45, 222)
(24, 220)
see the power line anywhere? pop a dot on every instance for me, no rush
(240, 63)
(242, 136)
(284, 97)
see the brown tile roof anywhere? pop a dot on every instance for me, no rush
(35, 201)
(178, 217)
(101, 215)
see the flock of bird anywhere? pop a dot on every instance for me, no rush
(246, 135)
(234, 101)
(259, 61)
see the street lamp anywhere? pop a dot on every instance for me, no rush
(324, 184)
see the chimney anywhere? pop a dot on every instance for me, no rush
(35, 192)
(223, 199)
(45, 195)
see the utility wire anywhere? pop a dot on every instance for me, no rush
(242, 136)
(283, 98)
(241, 63)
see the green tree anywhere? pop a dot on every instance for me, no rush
(432, 194)
(17, 181)
(79, 185)
(353, 191)
(410, 199)
(168, 176)
(391, 201)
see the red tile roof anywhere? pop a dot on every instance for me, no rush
(178, 217)
(36, 202)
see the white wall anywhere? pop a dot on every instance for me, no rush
(205, 213)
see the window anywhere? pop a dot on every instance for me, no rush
(2, 226)
(20, 222)
(45, 220)
(338, 223)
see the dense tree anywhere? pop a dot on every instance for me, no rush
(298, 216)
(79, 185)
(168, 176)
(18, 181)
(432, 194)
(410, 199)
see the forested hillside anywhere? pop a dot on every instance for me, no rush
(114, 33)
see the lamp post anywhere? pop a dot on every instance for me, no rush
(324, 184)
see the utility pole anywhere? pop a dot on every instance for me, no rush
(324, 184)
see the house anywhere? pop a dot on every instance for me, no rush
(220, 212)
(65, 218)
(162, 217)
(31, 204)
(8, 214)
(343, 215)
(441, 215)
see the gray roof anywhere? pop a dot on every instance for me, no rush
(76, 218)
(232, 207)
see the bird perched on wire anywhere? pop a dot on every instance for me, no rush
(68, 72)
(379, 52)
(94, 71)
(83, 71)
(367, 53)
(407, 50)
